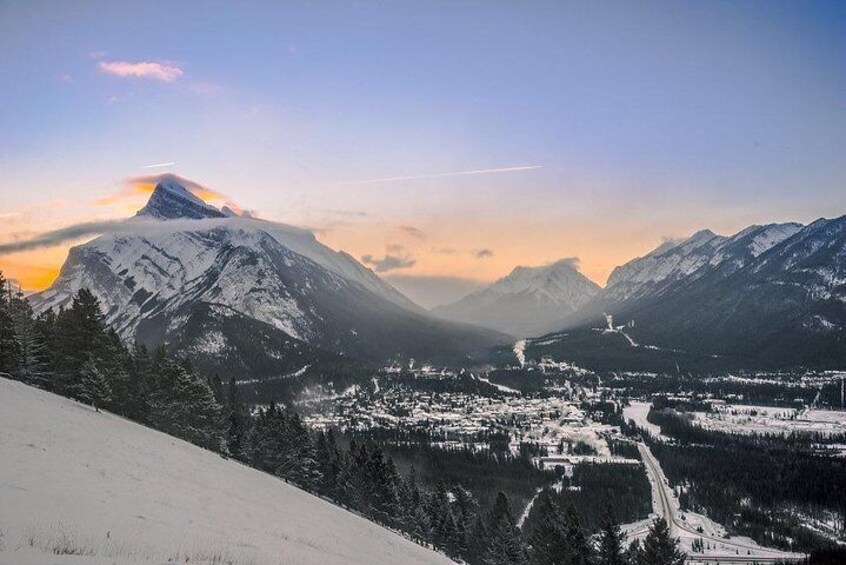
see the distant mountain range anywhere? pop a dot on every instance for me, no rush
(769, 296)
(246, 294)
(266, 298)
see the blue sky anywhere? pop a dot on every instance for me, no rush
(645, 120)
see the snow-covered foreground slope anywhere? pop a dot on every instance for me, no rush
(76, 481)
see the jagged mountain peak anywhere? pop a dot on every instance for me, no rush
(528, 301)
(171, 200)
(692, 257)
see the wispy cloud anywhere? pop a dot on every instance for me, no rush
(131, 226)
(396, 257)
(57, 237)
(483, 253)
(441, 175)
(164, 71)
(158, 165)
(411, 231)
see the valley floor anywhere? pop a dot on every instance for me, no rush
(85, 487)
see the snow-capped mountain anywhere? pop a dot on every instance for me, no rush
(692, 258)
(184, 273)
(772, 294)
(528, 301)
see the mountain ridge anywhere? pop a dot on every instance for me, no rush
(774, 295)
(177, 258)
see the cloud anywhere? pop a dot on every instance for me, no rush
(157, 165)
(396, 257)
(412, 231)
(57, 237)
(573, 262)
(483, 253)
(442, 175)
(164, 71)
(140, 187)
(131, 226)
(444, 250)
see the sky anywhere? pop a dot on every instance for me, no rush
(440, 143)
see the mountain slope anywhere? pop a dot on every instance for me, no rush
(692, 258)
(163, 280)
(772, 295)
(527, 302)
(90, 481)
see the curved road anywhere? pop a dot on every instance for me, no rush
(667, 510)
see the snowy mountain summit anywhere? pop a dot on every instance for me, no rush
(170, 200)
(527, 302)
(201, 280)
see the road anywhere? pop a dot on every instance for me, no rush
(666, 507)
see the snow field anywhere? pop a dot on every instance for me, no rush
(78, 486)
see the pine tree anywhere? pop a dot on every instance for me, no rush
(30, 363)
(659, 548)
(633, 553)
(611, 542)
(545, 531)
(94, 386)
(579, 550)
(79, 336)
(504, 544)
(238, 420)
(8, 339)
(466, 509)
(183, 405)
(140, 384)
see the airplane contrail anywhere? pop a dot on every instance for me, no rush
(441, 175)
(157, 165)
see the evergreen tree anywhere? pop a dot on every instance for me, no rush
(94, 386)
(634, 552)
(139, 384)
(183, 405)
(80, 335)
(8, 340)
(611, 542)
(29, 344)
(238, 420)
(504, 544)
(466, 509)
(579, 550)
(659, 548)
(545, 531)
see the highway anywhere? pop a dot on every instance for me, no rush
(665, 507)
